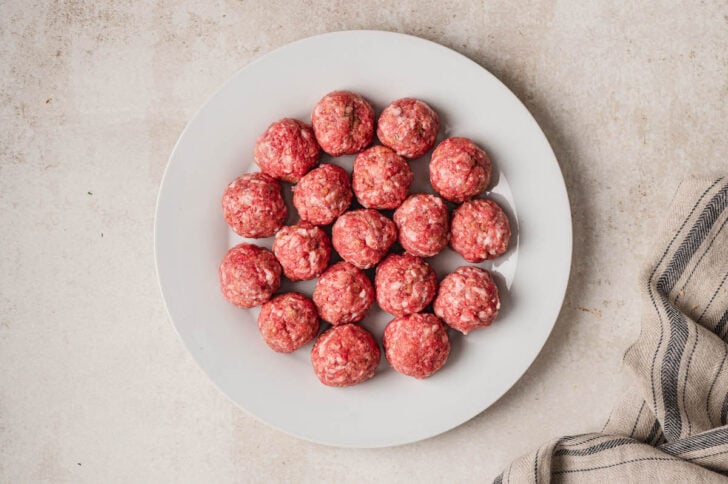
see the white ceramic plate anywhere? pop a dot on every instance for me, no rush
(191, 238)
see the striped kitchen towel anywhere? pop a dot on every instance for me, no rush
(670, 426)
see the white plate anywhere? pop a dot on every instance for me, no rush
(191, 238)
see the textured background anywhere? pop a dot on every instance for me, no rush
(94, 384)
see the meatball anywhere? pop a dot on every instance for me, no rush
(467, 299)
(363, 237)
(416, 345)
(381, 178)
(303, 251)
(422, 222)
(287, 150)
(343, 294)
(409, 127)
(253, 206)
(459, 170)
(249, 275)
(345, 355)
(343, 122)
(288, 321)
(323, 194)
(480, 230)
(404, 284)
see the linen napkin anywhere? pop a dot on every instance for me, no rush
(670, 426)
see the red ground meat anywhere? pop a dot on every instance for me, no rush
(288, 321)
(480, 230)
(249, 275)
(287, 150)
(304, 251)
(467, 299)
(345, 355)
(416, 345)
(343, 294)
(363, 237)
(381, 178)
(409, 127)
(459, 170)
(253, 205)
(405, 284)
(343, 122)
(422, 222)
(323, 194)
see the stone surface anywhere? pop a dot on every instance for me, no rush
(95, 385)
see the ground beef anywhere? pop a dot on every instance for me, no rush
(409, 127)
(343, 122)
(381, 178)
(288, 321)
(304, 251)
(422, 222)
(363, 237)
(459, 170)
(253, 205)
(249, 275)
(343, 294)
(345, 355)
(287, 150)
(405, 284)
(480, 230)
(416, 345)
(467, 299)
(323, 194)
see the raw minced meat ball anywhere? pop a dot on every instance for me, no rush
(409, 127)
(249, 275)
(416, 345)
(343, 122)
(343, 294)
(288, 321)
(404, 284)
(480, 230)
(287, 150)
(323, 194)
(422, 222)
(381, 178)
(467, 299)
(345, 355)
(459, 169)
(303, 250)
(253, 205)
(363, 237)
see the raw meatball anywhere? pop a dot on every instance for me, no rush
(303, 251)
(288, 321)
(343, 122)
(343, 294)
(467, 299)
(422, 222)
(287, 150)
(363, 237)
(416, 345)
(323, 194)
(459, 170)
(404, 284)
(253, 205)
(249, 275)
(381, 178)
(345, 355)
(409, 127)
(480, 230)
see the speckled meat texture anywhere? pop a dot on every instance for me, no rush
(404, 284)
(459, 170)
(422, 222)
(249, 275)
(343, 294)
(323, 194)
(467, 299)
(416, 345)
(303, 250)
(287, 150)
(480, 230)
(409, 127)
(381, 178)
(288, 321)
(343, 122)
(253, 205)
(345, 355)
(363, 237)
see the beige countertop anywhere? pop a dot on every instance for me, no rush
(96, 386)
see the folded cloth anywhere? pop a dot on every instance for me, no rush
(670, 426)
